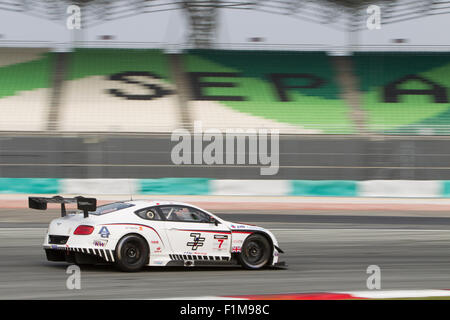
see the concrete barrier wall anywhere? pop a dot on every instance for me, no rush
(316, 158)
(204, 186)
(400, 188)
(29, 185)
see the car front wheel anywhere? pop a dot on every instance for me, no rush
(255, 252)
(131, 253)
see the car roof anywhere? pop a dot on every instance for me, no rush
(148, 203)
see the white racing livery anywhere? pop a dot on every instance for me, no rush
(133, 234)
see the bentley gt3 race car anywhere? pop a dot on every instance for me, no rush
(133, 234)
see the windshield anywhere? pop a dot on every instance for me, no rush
(108, 208)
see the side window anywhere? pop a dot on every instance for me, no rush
(181, 213)
(148, 214)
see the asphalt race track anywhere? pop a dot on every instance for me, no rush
(323, 252)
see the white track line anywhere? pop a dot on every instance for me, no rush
(375, 294)
(200, 298)
(389, 294)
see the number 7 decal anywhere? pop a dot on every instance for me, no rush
(221, 239)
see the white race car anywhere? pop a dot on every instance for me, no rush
(133, 234)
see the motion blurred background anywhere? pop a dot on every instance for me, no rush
(361, 111)
(363, 114)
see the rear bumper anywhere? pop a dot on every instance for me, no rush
(56, 255)
(78, 255)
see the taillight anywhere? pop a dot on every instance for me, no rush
(84, 230)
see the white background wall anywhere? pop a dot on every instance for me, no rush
(24, 28)
(426, 31)
(238, 26)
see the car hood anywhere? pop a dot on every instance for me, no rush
(236, 226)
(242, 227)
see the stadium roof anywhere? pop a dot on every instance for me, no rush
(348, 15)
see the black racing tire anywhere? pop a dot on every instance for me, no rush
(255, 252)
(132, 253)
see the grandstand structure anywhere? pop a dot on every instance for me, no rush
(120, 90)
(152, 91)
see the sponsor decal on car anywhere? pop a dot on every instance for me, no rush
(220, 240)
(134, 228)
(198, 241)
(100, 243)
(104, 232)
(195, 253)
(157, 250)
(220, 236)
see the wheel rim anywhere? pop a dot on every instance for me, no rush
(254, 252)
(132, 252)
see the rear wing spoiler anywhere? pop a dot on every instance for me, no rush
(84, 204)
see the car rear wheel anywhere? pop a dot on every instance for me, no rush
(131, 253)
(255, 252)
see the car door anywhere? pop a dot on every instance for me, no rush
(195, 235)
(154, 224)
